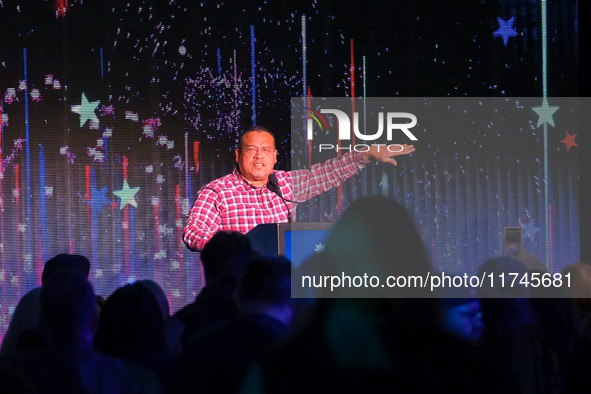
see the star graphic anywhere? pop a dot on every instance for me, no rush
(530, 231)
(319, 247)
(127, 195)
(545, 113)
(98, 198)
(86, 110)
(569, 140)
(505, 29)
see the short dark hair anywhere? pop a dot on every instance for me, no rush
(67, 303)
(65, 261)
(267, 279)
(130, 322)
(257, 128)
(225, 255)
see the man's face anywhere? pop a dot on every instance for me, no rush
(256, 157)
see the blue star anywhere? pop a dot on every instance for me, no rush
(98, 198)
(86, 111)
(545, 113)
(505, 29)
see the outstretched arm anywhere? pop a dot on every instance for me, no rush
(325, 176)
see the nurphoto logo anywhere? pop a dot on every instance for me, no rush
(387, 121)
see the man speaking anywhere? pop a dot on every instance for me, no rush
(243, 199)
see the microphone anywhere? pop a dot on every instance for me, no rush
(273, 186)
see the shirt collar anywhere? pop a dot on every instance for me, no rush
(242, 180)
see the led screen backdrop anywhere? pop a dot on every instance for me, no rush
(114, 113)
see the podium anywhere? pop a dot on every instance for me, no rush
(296, 241)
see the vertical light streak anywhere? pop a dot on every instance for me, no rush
(304, 60)
(253, 75)
(196, 155)
(101, 55)
(28, 218)
(2, 253)
(125, 225)
(157, 248)
(88, 196)
(179, 257)
(545, 95)
(550, 248)
(219, 56)
(42, 244)
(353, 138)
(17, 194)
(187, 181)
(364, 184)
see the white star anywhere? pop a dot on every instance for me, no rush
(86, 111)
(127, 195)
(319, 247)
(545, 113)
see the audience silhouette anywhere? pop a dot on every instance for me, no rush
(218, 361)
(373, 344)
(224, 258)
(132, 328)
(65, 361)
(245, 333)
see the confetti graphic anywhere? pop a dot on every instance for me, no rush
(113, 115)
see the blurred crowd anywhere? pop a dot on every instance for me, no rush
(244, 333)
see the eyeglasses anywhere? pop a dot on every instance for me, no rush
(251, 150)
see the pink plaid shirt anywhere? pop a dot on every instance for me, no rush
(231, 203)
